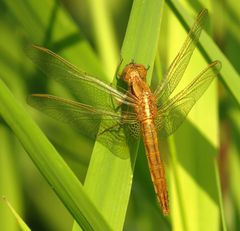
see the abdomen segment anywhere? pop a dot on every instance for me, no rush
(155, 164)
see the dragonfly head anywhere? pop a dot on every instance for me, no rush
(133, 71)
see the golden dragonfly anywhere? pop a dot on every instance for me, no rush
(127, 113)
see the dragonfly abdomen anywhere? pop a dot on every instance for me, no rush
(155, 164)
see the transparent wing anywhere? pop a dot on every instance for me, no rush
(85, 88)
(114, 125)
(174, 111)
(179, 64)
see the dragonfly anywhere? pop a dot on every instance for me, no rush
(115, 116)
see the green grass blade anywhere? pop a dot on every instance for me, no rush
(49, 162)
(22, 225)
(142, 35)
(210, 52)
(224, 226)
(104, 35)
(232, 194)
(9, 180)
(109, 178)
(177, 183)
(194, 200)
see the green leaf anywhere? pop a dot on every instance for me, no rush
(9, 183)
(109, 178)
(104, 35)
(22, 225)
(193, 178)
(50, 164)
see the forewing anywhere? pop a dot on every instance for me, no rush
(174, 111)
(109, 127)
(179, 64)
(85, 88)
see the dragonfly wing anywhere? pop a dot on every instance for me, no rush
(119, 139)
(175, 110)
(109, 127)
(85, 88)
(179, 64)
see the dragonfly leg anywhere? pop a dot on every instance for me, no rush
(118, 67)
(109, 129)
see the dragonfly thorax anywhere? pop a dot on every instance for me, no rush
(146, 108)
(135, 76)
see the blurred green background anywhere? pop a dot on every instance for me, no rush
(69, 28)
